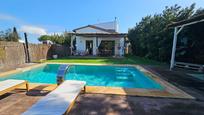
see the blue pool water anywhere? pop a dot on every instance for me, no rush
(110, 76)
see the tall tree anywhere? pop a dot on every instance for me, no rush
(152, 39)
(15, 36)
(9, 35)
(64, 39)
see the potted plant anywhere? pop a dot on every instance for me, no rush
(55, 56)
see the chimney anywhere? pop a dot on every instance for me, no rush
(116, 25)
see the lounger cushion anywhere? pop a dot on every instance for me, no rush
(59, 100)
(4, 85)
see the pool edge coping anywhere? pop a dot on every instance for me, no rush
(18, 70)
(170, 91)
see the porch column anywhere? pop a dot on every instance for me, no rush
(122, 46)
(71, 48)
(117, 44)
(94, 46)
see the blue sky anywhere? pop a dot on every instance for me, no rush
(37, 17)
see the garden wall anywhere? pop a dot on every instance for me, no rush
(61, 51)
(13, 53)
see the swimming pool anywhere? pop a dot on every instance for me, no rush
(108, 76)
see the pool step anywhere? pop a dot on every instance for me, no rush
(123, 73)
(124, 69)
(121, 70)
(122, 78)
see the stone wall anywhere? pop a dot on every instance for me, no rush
(39, 51)
(13, 53)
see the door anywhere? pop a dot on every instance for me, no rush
(89, 47)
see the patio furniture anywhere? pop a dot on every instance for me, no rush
(190, 66)
(11, 84)
(106, 52)
(59, 101)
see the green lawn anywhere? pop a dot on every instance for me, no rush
(102, 60)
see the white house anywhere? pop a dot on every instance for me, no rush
(101, 39)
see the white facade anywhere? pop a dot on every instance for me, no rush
(81, 44)
(109, 28)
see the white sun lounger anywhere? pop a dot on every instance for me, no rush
(11, 84)
(59, 101)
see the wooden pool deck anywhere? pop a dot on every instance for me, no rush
(18, 101)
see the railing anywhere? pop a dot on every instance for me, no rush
(61, 73)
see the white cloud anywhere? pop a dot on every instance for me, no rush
(23, 26)
(33, 30)
(10, 18)
(6, 17)
(30, 28)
